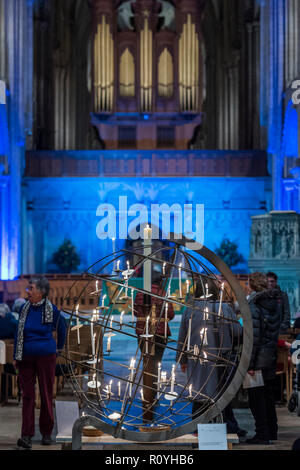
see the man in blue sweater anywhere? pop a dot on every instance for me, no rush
(35, 356)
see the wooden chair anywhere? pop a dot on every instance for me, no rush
(285, 368)
(9, 377)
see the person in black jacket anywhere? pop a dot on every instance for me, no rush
(285, 310)
(266, 306)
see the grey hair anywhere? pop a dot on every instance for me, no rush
(42, 284)
(4, 309)
(18, 304)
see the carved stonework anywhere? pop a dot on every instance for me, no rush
(274, 247)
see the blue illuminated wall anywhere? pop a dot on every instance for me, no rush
(66, 207)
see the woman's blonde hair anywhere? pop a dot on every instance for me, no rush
(258, 281)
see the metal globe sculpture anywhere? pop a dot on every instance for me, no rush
(134, 380)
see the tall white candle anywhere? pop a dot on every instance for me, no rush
(164, 269)
(121, 317)
(113, 251)
(147, 262)
(109, 387)
(96, 286)
(77, 323)
(221, 299)
(166, 319)
(180, 287)
(147, 333)
(206, 290)
(189, 334)
(119, 389)
(103, 298)
(159, 374)
(132, 306)
(190, 391)
(187, 286)
(118, 265)
(205, 314)
(142, 395)
(172, 380)
(92, 336)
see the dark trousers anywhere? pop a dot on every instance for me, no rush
(150, 371)
(43, 368)
(261, 402)
(229, 418)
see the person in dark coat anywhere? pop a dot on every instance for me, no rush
(8, 323)
(35, 357)
(221, 333)
(158, 342)
(285, 310)
(266, 307)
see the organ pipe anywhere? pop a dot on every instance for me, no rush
(103, 67)
(189, 67)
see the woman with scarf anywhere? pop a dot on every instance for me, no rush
(35, 356)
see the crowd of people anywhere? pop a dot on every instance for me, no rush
(31, 323)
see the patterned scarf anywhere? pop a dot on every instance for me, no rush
(47, 317)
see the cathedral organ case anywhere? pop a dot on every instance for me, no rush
(147, 69)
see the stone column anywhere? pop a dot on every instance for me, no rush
(18, 47)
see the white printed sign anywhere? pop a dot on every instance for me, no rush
(212, 436)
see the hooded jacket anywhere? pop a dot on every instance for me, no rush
(266, 308)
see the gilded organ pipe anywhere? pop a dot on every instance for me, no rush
(189, 67)
(103, 67)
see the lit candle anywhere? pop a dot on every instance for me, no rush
(221, 299)
(180, 287)
(119, 389)
(132, 306)
(142, 395)
(159, 374)
(126, 285)
(147, 262)
(121, 318)
(147, 334)
(96, 286)
(206, 290)
(190, 391)
(92, 336)
(113, 251)
(164, 269)
(205, 314)
(166, 319)
(187, 286)
(103, 298)
(118, 265)
(172, 379)
(109, 388)
(77, 323)
(189, 334)
(128, 265)
(203, 334)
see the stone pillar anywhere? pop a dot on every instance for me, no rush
(18, 76)
(275, 247)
